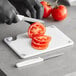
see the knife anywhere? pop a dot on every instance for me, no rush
(28, 19)
(36, 60)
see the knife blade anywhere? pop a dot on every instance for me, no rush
(28, 19)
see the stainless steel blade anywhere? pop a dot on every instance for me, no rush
(27, 19)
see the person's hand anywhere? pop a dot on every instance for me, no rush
(35, 8)
(7, 12)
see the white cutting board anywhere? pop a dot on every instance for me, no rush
(22, 45)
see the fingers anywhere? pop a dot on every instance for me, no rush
(39, 9)
(11, 17)
(33, 12)
(35, 8)
(15, 18)
(21, 9)
(31, 8)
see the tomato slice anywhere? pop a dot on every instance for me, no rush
(36, 29)
(42, 39)
(39, 47)
(38, 44)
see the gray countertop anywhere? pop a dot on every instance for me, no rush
(53, 67)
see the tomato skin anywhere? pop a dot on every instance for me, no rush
(47, 9)
(42, 39)
(39, 47)
(43, 2)
(36, 29)
(59, 13)
(38, 44)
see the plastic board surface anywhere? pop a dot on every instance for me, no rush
(22, 45)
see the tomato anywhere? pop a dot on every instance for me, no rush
(43, 2)
(39, 47)
(47, 9)
(42, 39)
(38, 44)
(59, 12)
(36, 29)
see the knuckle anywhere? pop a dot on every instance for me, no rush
(33, 11)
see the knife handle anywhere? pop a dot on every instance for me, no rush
(29, 62)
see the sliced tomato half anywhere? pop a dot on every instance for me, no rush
(36, 29)
(42, 39)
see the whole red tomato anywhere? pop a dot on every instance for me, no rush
(47, 9)
(59, 12)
